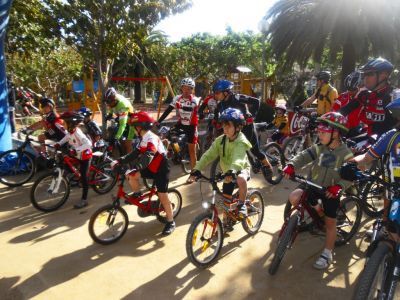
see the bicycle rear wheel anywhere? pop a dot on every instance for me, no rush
(348, 219)
(16, 167)
(176, 201)
(292, 146)
(277, 159)
(284, 243)
(108, 224)
(374, 281)
(255, 208)
(204, 240)
(104, 177)
(44, 197)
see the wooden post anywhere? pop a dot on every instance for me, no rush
(160, 98)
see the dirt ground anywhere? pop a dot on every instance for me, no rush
(51, 256)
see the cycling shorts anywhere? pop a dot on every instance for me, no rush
(161, 178)
(190, 132)
(330, 205)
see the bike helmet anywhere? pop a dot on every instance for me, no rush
(47, 101)
(281, 107)
(142, 119)
(394, 106)
(110, 95)
(333, 120)
(86, 112)
(222, 86)
(324, 76)
(377, 65)
(72, 117)
(352, 81)
(188, 82)
(234, 115)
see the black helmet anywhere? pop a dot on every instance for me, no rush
(47, 101)
(352, 81)
(72, 117)
(324, 76)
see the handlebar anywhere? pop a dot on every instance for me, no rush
(302, 110)
(308, 183)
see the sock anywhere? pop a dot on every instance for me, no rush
(327, 253)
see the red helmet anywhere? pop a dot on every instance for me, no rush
(334, 120)
(142, 119)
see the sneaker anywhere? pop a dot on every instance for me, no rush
(169, 228)
(81, 204)
(242, 210)
(323, 261)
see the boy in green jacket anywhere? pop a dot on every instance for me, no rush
(231, 148)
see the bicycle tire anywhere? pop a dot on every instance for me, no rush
(175, 198)
(304, 224)
(191, 240)
(349, 219)
(104, 168)
(254, 209)
(380, 261)
(44, 203)
(283, 244)
(277, 159)
(291, 147)
(185, 161)
(8, 161)
(105, 215)
(372, 197)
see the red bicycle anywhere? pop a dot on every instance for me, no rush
(51, 190)
(110, 222)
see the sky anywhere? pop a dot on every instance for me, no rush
(214, 16)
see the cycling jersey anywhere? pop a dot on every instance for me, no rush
(122, 109)
(187, 109)
(210, 103)
(246, 104)
(326, 164)
(353, 118)
(54, 126)
(326, 96)
(342, 100)
(79, 141)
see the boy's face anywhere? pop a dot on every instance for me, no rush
(46, 109)
(186, 91)
(229, 129)
(325, 133)
(279, 112)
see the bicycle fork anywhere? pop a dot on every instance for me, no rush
(55, 182)
(396, 273)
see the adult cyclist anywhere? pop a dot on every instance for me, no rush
(121, 107)
(249, 106)
(187, 106)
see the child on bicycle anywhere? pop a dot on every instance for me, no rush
(281, 123)
(91, 128)
(231, 148)
(326, 158)
(148, 160)
(51, 122)
(81, 148)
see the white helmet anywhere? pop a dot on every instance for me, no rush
(188, 82)
(281, 106)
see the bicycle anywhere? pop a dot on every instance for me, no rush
(302, 125)
(205, 237)
(110, 222)
(348, 220)
(17, 166)
(51, 190)
(381, 273)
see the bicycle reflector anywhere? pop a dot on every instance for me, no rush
(349, 171)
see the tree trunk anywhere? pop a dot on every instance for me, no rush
(138, 72)
(348, 62)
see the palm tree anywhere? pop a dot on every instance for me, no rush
(302, 29)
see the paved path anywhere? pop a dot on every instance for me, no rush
(51, 256)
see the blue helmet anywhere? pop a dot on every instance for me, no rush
(85, 111)
(222, 85)
(377, 65)
(394, 106)
(232, 114)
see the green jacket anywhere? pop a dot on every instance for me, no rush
(326, 164)
(122, 109)
(234, 158)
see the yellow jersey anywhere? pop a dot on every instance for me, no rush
(326, 96)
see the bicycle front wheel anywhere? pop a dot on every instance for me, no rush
(108, 224)
(204, 240)
(277, 160)
(255, 208)
(49, 192)
(348, 218)
(292, 146)
(284, 243)
(16, 167)
(375, 279)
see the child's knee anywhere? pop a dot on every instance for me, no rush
(241, 181)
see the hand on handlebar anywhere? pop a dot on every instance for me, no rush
(333, 191)
(288, 171)
(194, 176)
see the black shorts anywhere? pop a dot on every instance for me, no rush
(161, 178)
(330, 205)
(190, 132)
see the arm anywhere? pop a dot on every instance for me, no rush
(209, 156)
(166, 113)
(123, 120)
(201, 110)
(310, 99)
(305, 157)
(247, 100)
